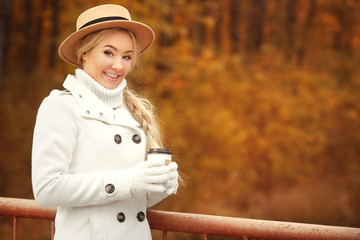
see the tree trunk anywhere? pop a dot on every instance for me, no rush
(300, 54)
(5, 23)
(221, 32)
(166, 38)
(256, 25)
(343, 39)
(234, 27)
(38, 31)
(55, 32)
(290, 24)
(28, 27)
(208, 13)
(197, 28)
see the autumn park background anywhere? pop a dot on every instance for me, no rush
(259, 101)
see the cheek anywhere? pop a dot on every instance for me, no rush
(99, 64)
(128, 66)
(93, 67)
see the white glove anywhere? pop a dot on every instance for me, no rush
(172, 184)
(149, 176)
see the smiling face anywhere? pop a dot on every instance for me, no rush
(110, 60)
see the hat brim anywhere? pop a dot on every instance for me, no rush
(143, 33)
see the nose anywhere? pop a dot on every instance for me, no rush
(117, 65)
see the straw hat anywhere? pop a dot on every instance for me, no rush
(102, 17)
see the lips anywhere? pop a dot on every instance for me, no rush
(111, 76)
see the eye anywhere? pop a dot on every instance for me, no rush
(128, 57)
(108, 53)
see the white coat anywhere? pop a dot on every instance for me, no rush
(82, 149)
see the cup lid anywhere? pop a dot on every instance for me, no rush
(159, 150)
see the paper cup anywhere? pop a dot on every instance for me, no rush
(160, 153)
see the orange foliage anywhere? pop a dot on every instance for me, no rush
(269, 133)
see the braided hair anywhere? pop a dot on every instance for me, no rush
(143, 112)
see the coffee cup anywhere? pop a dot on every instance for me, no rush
(160, 153)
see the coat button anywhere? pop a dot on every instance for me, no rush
(109, 188)
(136, 138)
(140, 216)
(120, 217)
(117, 138)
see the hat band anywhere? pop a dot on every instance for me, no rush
(103, 19)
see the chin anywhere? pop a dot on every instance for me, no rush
(111, 86)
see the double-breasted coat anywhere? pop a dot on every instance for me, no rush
(82, 149)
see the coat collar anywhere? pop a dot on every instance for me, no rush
(91, 107)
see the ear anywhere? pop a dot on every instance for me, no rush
(84, 56)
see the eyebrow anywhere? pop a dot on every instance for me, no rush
(111, 46)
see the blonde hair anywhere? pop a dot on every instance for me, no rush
(141, 109)
(143, 112)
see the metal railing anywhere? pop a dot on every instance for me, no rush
(205, 225)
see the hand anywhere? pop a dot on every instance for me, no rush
(149, 176)
(172, 184)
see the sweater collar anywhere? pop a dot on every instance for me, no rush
(113, 98)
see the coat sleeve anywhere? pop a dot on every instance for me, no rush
(54, 142)
(154, 198)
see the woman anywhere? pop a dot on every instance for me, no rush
(90, 141)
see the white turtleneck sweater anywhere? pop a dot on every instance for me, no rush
(113, 98)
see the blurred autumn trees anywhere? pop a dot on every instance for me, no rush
(260, 100)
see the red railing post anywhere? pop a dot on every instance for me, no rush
(15, 227)
(52, 229)
(164, 235)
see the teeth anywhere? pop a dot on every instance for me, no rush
(111, 75)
